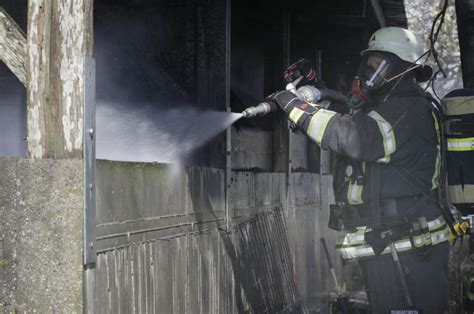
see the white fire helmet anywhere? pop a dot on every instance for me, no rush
(399, 41)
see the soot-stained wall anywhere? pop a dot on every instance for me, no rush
(168, 55)
(161, 224)
(162, 51)
(171, 55)
(162, 245)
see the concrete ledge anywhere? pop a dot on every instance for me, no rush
(41, 203)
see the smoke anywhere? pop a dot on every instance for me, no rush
(150, 134)
(148, 109)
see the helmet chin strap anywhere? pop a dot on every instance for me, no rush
(400, 76)
(410, 68)
(397, 78)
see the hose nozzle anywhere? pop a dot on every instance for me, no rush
(259, 110)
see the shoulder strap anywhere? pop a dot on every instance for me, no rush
(374, 169)
(439, 111)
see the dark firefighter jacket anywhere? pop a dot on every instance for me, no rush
(400, 135)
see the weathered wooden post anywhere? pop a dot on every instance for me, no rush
(43, 196)
(59, 38)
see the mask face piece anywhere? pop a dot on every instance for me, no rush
(374, 71)
(357, 98)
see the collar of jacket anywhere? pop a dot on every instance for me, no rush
(406, 87)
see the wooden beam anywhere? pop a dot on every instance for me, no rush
(12, 46)
(59, 39)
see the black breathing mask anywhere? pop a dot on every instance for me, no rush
(378, 73)
(380, 70)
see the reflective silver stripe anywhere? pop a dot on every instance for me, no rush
(354, 194)
(296, 114)
(364, 251)
(434, 224)
(461, 144)
(353, 245)
(354, 237)
(359, 234)
(354, 191)
(350, 253)
(440, 236)
(422, 239)
(317, 125)
(400, 246)
(418, 241)
(389, 143)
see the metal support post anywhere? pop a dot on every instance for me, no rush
(228, 163)
(89, 164)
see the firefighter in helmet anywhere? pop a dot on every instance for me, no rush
(387, 200)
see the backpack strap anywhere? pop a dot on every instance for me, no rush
(439, 112)
(374, 169)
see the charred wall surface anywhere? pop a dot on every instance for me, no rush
(162, 245)
(161, 237)
(167, 55)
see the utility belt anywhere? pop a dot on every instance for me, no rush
(392, 212)
(456, 126)
(419, 236)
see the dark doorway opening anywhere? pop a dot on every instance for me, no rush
(13, 95)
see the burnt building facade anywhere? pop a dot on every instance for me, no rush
(234, 228)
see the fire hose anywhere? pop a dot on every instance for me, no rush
(308, 93)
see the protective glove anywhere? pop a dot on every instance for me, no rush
(299, 111)
(302, 67)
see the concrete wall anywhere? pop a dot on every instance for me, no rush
(41, 205)
(162, 247)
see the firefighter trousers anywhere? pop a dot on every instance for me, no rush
(426, 276)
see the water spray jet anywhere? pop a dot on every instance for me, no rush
(151, 134)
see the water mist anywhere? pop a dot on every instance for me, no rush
(150, 134)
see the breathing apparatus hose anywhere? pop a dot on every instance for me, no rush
(312, 94)
(332, 95)
(305, 93)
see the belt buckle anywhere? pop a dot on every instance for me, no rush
(450, 127)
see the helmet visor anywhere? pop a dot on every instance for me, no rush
(374, 71)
